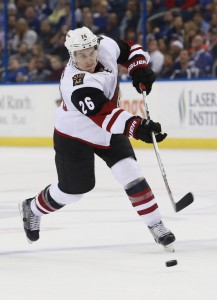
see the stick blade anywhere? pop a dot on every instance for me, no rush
(184, 202)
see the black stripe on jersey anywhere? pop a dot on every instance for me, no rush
(124, 53)
(88, 100)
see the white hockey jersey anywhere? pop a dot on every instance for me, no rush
(89, 111)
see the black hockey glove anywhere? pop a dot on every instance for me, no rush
(140, 129)
(144, 75)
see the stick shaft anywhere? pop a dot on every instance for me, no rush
(157, 152)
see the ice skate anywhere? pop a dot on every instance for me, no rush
(163, 236)
(31, 223)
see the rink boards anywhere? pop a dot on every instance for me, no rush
(187, 111)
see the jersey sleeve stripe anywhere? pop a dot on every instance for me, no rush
(134, 47)
(113, 119)
(107, 110)
(120, 123)
(138, 52)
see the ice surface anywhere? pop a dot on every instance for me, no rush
(98, 248)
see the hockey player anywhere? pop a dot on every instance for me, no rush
(90, 122)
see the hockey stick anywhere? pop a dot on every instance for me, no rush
(188, 198)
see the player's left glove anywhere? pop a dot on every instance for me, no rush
(144, 75)
(140, 129)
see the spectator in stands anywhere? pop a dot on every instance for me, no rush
(21, 6)
(94, 6)
(11, 30)
(23, 34)
(100, 18)
(182, 69)
(200, 22)
(12, 10)
(117, 7)
(158, 6)
(86, 10)
(166, 24)
(58, 13)
(77, 16)
(175, 49)
(15, 70)
(52, 4)
(84, 3)
(59, 48)
(201, 58)
(213, 42)
(42, 9)
(111, 28)
(31, 67)
(130, 19)
(57, 68)
(165, 28)
(32, 18)
(40, 74)
(66, 19)
(213, 22)
(23, 54)
(140, 39)
(46, 33)
(176, 32)
(167, 69)
(131, 35)
(190, 29)
(156, 57)
(162, 46)
(37, 51)
(87, 21)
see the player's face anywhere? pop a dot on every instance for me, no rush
(86, 59)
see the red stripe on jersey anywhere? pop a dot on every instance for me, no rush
(106, 110)
(43, 204)
(147, 210)
(113, 119)
(114, 99)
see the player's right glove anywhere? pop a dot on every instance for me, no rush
(140, 129)
(145, 76)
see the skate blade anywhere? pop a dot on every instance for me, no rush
(21, 214)
(169, 248)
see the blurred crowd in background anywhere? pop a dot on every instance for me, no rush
(181, 36)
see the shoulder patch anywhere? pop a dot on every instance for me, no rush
(78, 79)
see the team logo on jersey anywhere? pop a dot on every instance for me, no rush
(78, 79)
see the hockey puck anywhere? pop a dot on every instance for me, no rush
(171, 263)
